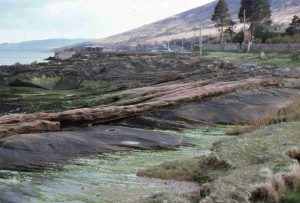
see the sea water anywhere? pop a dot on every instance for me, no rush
(24, 57)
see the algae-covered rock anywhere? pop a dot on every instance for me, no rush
(48, 82)
(66, 83)
(37, 81)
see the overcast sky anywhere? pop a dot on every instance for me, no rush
(22, 20)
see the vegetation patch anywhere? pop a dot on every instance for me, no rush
(202, 169)
(182, 170)
(256, 167)
(292, 196)
(211, 167)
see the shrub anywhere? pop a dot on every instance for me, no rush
(284, 39)
(238, 37)
(262, 32)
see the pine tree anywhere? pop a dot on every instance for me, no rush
(221, 18)
(261, 13)
(294, 27)
(247, 6)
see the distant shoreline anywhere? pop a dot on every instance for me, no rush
(23, 57)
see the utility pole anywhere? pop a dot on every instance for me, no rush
(244, 26)
(200, 40)
(244, 19)
(247, 41)
(193, 43)
(168, 39)
(182, 46)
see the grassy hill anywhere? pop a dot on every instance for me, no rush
(182, 25)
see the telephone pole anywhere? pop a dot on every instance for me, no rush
(168, 39)
(244, 26)
(193, 41)
(200, 41)
(244, 19)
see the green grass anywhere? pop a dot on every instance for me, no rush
(243, 165)
(292, 196)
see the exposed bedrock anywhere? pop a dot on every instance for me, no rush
(88, 81)
(236, 108)
(119, 67)
(154, 98)
(53, 150)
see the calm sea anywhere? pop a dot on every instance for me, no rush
(11, 57)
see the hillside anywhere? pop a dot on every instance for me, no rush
(39, 45)
(181, 25)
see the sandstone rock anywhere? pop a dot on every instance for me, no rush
(155, 98)
(25, 127)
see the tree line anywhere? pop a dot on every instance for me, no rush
(256, 13)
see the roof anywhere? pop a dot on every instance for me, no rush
(93, 47)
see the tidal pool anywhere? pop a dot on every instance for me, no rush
(106, 178)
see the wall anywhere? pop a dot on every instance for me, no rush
(254, 47)
(217, 47)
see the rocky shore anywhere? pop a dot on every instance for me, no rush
(57, 111)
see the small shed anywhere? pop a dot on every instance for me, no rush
(93, 49)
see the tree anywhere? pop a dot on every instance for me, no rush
(230, 30)
(247, 6)
(261, 13)
(238, 38)
(262, 32)
(221, 18)
(294, 27)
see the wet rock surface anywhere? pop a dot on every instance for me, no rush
(53, 150)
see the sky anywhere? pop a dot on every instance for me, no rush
(22, 20)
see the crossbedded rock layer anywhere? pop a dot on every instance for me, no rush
(152, 99)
